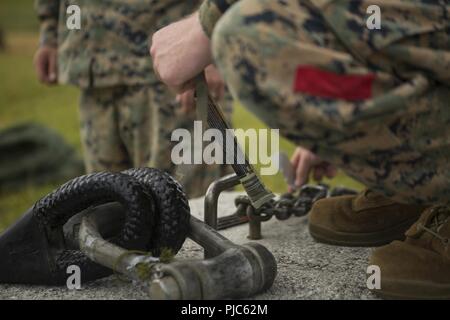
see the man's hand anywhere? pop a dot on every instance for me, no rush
(304, 162)
(215, 83)
(45, 63)
(180, 52)
(216, 87)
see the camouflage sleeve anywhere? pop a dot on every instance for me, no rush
(210, 12)
(48, 12)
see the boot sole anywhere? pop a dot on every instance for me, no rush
(412, 290)
(372, 239)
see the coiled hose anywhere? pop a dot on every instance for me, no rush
(156, 217)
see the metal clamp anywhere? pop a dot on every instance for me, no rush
(212, 198)
(231, 271)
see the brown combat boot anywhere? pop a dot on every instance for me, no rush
(419, 267)
(364, 220)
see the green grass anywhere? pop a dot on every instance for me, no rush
(244, 119)
(22, 98)
(18, 15)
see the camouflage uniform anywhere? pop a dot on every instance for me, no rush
(126, 114)
(373, 102)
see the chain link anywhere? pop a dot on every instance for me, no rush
(297, 203)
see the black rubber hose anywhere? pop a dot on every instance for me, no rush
(95, 189)
(156, 216)
(91, 190)
(172, 209)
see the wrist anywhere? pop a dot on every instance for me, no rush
(203, 42)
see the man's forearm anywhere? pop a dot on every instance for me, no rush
(210, 12)
(48, 13)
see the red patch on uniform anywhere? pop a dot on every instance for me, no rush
(317, 82)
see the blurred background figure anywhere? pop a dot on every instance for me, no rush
(24, 99)
(127, 116)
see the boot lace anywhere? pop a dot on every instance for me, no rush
(440, 215)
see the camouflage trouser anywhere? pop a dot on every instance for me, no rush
(373, 102)
(131, 126)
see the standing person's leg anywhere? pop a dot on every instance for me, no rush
(387, 129)
(163, 107)
(102, 144)
(135, 120)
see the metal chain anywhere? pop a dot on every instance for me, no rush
(298, 203)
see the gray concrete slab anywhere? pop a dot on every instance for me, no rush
(306, 269)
